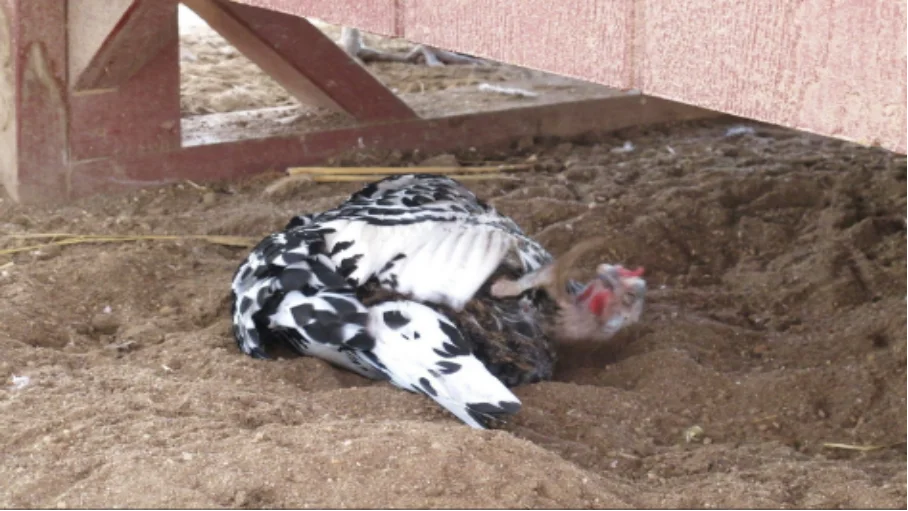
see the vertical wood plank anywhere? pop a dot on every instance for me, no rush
(33, 51)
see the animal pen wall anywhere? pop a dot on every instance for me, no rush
(89, 89)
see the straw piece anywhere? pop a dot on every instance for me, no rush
(374, 171)
(233, 241)
(283, 183)
(336, 178)
(860, 448)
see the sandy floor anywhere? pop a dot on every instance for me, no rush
(776, 323)
(225, 97)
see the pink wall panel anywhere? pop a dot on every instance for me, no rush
(592, 40)
(835, 67)
(378, 16)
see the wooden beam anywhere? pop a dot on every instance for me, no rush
(137, 108)
(109, 42)
(483, 129)
(45, 125)
(34, 162)
(142, 115)
(303, 60)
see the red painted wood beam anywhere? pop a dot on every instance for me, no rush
(34, 161)
(142, 113)
(140, 116)
(485, 129)
(303, 60)
(110, 42)
(45, 126)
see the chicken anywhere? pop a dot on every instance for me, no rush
(351, 41)
(416, 281)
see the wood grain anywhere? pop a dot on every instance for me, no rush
(833, 67)
(378, 16)
(110, 43)
(33, 58)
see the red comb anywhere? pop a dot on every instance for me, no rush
(599, 302)
(586, 294)
(625, 273)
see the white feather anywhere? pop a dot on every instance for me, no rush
(283, 318)
(409, 355)
(445, 262)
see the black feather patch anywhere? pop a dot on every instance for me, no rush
(447, 367)
(340, 247)
(253, 335)
(458, 345)
(416, 201)
(361, 341)
(425, 384)
(262, 295)
(325, 332)
(294, 278)
(327, 276)
(342, 306)
(482, 412)
(366, 192)
(391, 281)
(303, 314)
(357, 318)
(394, 319)
(374, 360)
(348, 265)
(300, 221)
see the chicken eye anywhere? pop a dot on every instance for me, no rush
(629, 299)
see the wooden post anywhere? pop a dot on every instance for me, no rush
(34, 160)
(140, 111)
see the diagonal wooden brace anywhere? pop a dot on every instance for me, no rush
(108, 44)
(303, 60)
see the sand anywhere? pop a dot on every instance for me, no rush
(775, 324)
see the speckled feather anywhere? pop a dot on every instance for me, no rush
(422, 237)
(511, 336)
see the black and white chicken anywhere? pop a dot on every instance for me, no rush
(416, 281)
